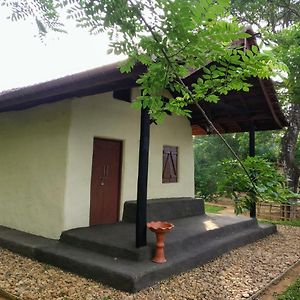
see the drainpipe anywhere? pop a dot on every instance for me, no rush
(141, 205)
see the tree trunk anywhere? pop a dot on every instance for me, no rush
(288, 148)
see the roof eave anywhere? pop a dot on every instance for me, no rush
(90, 82)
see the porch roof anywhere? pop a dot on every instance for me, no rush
(239, 111)
(233, 113)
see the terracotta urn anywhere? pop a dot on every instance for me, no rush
(160, 228)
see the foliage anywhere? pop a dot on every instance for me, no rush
(213, 209)
(278, 21)
(169, 37)
(267, 144)
(292, 292)
(268, 15)
(269, 184)
(44, 13)
(209, 151)
(288, 50)
(297, 153)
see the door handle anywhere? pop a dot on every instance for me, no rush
(105, 171)
(102, 181)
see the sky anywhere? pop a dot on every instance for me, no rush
(25, 60)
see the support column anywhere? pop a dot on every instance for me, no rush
(252, 154)
(141, 207)
(252, 141)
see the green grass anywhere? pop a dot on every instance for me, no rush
(292, 292)
(213, 209)
(289, 223)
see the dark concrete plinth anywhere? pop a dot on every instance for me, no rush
(106, 252)
(117, 240)
(165, 209)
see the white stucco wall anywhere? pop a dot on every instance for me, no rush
(104, 117)
(46, 160)
(32, 168)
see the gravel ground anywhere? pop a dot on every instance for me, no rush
(235, 275)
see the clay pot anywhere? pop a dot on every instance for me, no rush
(160, 228)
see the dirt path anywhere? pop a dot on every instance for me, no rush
(275, 289)
(228, 210)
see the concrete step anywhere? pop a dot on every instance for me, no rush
(118, 240)
(22, 242)
(132, 275)
(166, 209)
(114, 240)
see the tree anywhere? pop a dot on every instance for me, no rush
(45, 14)
(269, 184)
(210, 152)
(268, 15)
(279, 21)
(267, 145)
(170, 38)
(288, 50)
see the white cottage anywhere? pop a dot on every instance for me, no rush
(70, 148)
(74, 163)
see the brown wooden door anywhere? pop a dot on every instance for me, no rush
(105, 182)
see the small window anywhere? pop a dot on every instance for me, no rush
(170, 171)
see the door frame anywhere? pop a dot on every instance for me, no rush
(119, 177)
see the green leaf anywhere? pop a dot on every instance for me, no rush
(126, 66)
(136, 104)
(212, 98)
(254, 49)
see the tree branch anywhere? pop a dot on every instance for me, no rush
(179, 80)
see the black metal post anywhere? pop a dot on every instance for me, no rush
(252, 154)
(252, 141)
(141, 207)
